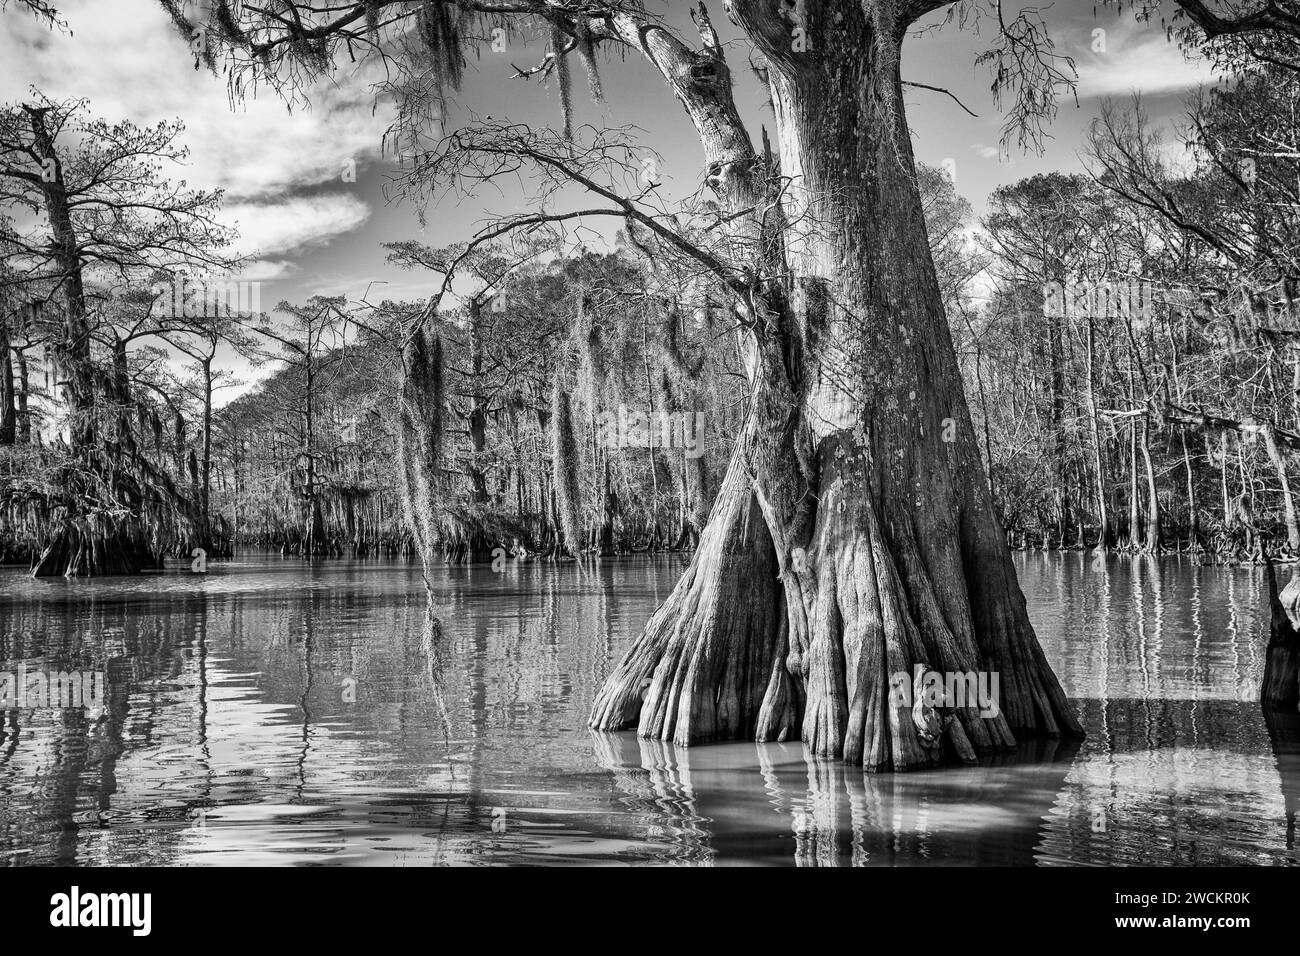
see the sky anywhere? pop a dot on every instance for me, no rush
(312, 231)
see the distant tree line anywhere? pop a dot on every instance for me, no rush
(1129, 341)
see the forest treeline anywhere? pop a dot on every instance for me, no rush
(1127, 338)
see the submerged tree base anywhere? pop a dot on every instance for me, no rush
(702, 668)
(842, 646)
(94, 546)
(1280, 686)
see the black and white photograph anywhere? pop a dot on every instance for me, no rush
(649, 433)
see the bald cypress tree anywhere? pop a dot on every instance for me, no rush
(853, 537)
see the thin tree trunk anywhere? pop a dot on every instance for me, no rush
(24, 390)
(564, 465)
(1094, 425)
(1193, 518)
(1152, 544)
(477, 406)
(8, 407)
(205, 469)
(1223, 478)
(1288, 502)
(1056, 406)
(1134, 514)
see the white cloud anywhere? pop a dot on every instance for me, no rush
(264, 270)
(1137, 56)
(294, 224)
(985, 152)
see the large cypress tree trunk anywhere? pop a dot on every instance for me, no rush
(884, 536)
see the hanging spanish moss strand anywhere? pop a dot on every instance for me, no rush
(587, 53)
(419, 446)
(563, 80)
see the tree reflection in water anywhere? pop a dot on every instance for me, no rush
(282, 712)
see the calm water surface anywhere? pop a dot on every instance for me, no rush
(276, 712)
